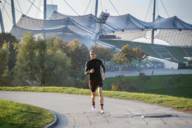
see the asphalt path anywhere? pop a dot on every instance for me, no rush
(74, 111)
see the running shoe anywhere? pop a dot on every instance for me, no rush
(101, 111)
(93, 109)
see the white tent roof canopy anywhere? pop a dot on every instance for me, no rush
(113, 23)
(130, 22)
(171, 23)
(86, 25)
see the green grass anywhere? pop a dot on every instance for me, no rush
(178, 103)
(173, 85)
(16, 115)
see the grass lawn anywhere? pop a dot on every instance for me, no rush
(178, 103)
(173, 85)
(16, 115)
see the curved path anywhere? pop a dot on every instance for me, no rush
(74, 111)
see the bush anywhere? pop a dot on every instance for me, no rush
(115, 87)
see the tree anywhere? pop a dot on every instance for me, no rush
(25, 69)
(8, 38)
(11, 59)
(9, 43)
(41, 62)
(3, 64)
(127, 55)
(40, 59)
(103, 53)
(58, 64)
(79, 55)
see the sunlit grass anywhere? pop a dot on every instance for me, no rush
(16, 115)
(172, 85)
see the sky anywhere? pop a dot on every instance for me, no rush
(141, 9)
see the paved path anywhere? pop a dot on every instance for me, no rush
(74, 111)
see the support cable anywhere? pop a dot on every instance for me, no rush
(15, 7)
(3, 8)
(71, 7)
(19, 6)
(148, 8)
(87, 7)
(166, 11)
(101, 5)
(29, 9)
(114, 7)
(32, 2)
(158, 12)
(92, 8)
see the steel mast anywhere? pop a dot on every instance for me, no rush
(153, 30)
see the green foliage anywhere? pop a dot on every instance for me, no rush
(41, 63)
(103, 53)
(15, 115)
(11, 60)
(79, 55)
(40, 60)
(178, 52)
(175, 85)
(58, 66)
(8, 57)
(25, 65)
(115, 87)
(7, 37)
(3, 64)
(127, 55)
